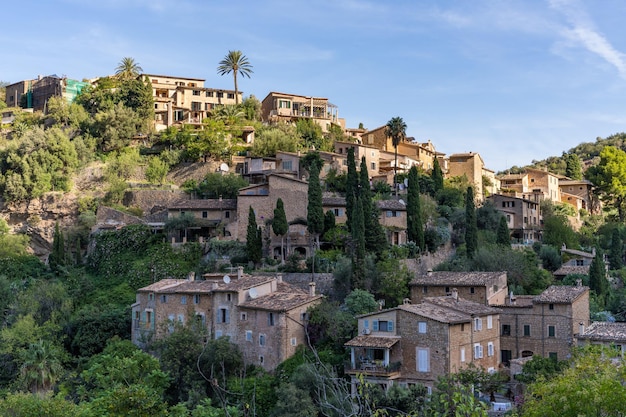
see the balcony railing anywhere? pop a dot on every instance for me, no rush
(373, 367)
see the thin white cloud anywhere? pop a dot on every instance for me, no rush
(583, 33)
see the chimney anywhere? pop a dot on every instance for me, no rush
(191, 276)
(312, 289)
(239, 272)
(581, 328)
(579, 282)
(430, 273)
(455, 294)
(406, 301)
(214, 285)
(279, 277)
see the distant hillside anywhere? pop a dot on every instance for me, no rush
(588, 152)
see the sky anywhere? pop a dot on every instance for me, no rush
(514, 80)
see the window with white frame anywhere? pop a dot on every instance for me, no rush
(382, 325)
(423, 359)
(490, 349)
(462, 354)
(478, 324)
(248, 335)
(183, 299)
(478, 351)
(421, 327)
(489, 322)
(294, 341)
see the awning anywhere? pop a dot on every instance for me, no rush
(373, 342)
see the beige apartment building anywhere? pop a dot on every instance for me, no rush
(280, 107)
(183, 100)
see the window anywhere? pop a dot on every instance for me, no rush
(424, 289)
(553, 355)
(196, 298)
(218, 334)
(181, 318)
(392, 213)
(551, 331)
(382, 325)
(200, 319)
(294, 341)
(209, 93)
(287, 165)
(231, 95)
(223, 315)
(196, 106)
(261, 340)
(270, 319)
(373, 166)
(151, 296)
(304, 316)
(284, 104)
(228, 297)
(447, 290)
(421, 327)
(527, 330)
(366, 324)
(478, 324)
(472, 290)
(489, 322)
(244, 316)
(220, 95)
(478, 351)
(506, 330)
(196, 92)
(338, 212)
(248, 335)
(149, 318)
(205, 214)
(462, 327)
(183, 299)
(462, 354)
(164, 298)
(490, 349)
(423, 359)
(227, 215)
(551, 306)
(261, 360)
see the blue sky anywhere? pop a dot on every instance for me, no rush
(515, 81)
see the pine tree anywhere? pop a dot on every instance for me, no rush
(254, 244)
(415, 226)
(616, 251)
(573, 167)
(280, 226)
(503, 237)
(437, 176)
(471, 229)
(597, 276)
(56, 259)
(351, 185)
(315, 211)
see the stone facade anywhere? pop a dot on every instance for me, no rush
(470, 165)
(480, 287)
(523, 217)
(279, 107)
(262, 315)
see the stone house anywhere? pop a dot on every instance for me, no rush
(262, 315)
(183, 100)
(280, 107)
(574, 262)
(604, 333)
(37, 92)
(212, 218)
(579, 194)
(418, 343)
(371, 154)
(489, 288)
(533, 184)
(523, 217)
(547, 324)
(471, 166)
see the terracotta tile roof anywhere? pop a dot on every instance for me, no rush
(570, 269)
(437, 313)
(560, 294)
(519, 301)
(334, 201)
(604, 331)
(205, 203)
(243, 284)
(463, 306)
(280, 301)
(390, 205)
(373, 342)
(463, 279)
(162, 284)
(580, 253)
(194, 287)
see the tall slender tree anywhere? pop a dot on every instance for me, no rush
(280, 226)
(315, 211)
(375, 238)
(254, 244)
(616, 251)
(57, 258)
(437, 176)
(358, 243)
(471, 228)
(415, 226)
(503, 236)
(597, 276)
(237, 63)
(396, 130)
(128, 69)
(352, 183)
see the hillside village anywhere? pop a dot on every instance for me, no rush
(439, 323)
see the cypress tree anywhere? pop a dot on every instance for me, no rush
(437, 176)
(280, 226)
(471, 229)
(351, 186)
(597, 276)
(503, 237)
(56, 259)
(375, 238)
(415, 227)
(315, 211)
(254, 244)
(358, 244)
(329, 221)
(616, 250)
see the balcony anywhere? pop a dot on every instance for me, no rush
(373, 368)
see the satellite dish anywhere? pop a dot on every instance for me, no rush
(224, 167)
(401, 201)
(226, 279)
(252, 293)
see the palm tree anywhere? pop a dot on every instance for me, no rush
(41, 367)
(128, 69)
(396, 129)
(235, 62)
